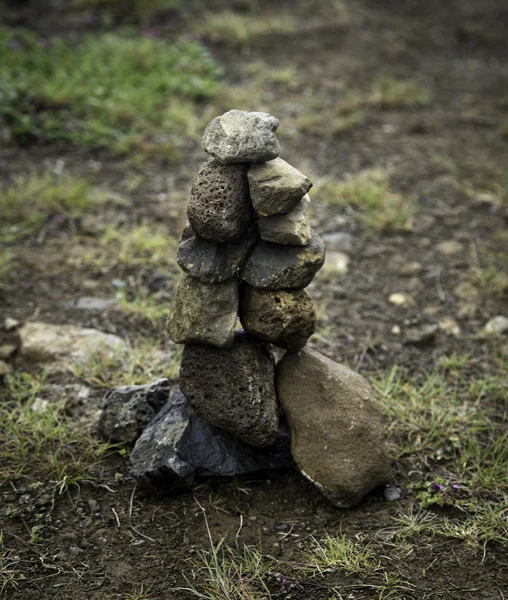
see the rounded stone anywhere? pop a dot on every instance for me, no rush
(219, 207)
(233, 389)
(275, 267)
(238, 136)
(337, 436)
(284, 318)
(212, 262)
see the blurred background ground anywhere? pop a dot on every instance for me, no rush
(398, 111)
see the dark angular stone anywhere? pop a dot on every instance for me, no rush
(219, 208)
(128, 410)
(180, 445)
(212, 262)
(233, 389)
(276, 267)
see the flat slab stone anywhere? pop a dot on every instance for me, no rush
(65, 344)
(276, 187)
(275, 267)
(212, 262)
(203, 313)
(337, 435)
(291, 228)
(219, 208)
(180, 445)
(284, 318)
(233, 389)
(238, 136)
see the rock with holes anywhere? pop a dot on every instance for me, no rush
(291, 228)
(284, 318)
(276, 187)
(233, 389)
(242, 137)
(179, 445)
(275, 267)
(336, 431)
(219, 207)
(212, 262)
(128, 410)
(204, 313)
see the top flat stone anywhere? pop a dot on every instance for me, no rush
(242, 137)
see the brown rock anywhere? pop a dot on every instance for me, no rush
(284, 318)
(337, 435)
(219, 208)
(203, 313)
(233, 389)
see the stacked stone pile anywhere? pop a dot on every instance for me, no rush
(248, 253)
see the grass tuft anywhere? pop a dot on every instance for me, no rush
(369, 196)
(39, 440)
(32, 201)
(390, 92)
(142, 99)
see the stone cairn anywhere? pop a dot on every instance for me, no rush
(249, 253)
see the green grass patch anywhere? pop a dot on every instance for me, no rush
(38, 440)
(142, 245)
(392, 92)
(144, 362)
(238, 29)
(368, 195)
(120, 91)
(33, 200)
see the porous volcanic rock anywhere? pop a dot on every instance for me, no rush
(212, 262)
(238, 136)
(179, 444)
(284, 318)
(203, 313)
(336, 430)
(275, 267)
(233, 389)
(291, 228)
(128, 410)
(219, 207)
(276, 187)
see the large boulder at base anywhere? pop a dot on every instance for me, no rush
(242, 137)
(65, 344)
(212, 262)
(203, 313)
(337, 436)
(276, 187)
(233, 389)
(285, 318)
(129, 409)
(179, 445)
(275, 267)
(289, 229)
(219, 207)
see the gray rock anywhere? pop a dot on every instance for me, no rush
(392, 493)
(276, 187)
(233, 389)
(337, 435)
(495, 326)
(242, 137)
(284, 318)
(92, 303)
(128, 410)
(212, 262)
(276, 267)
(219, 207)
(291, 228)
(419, 336)
(338, 241)
(65, 344)
(204, 313)
(180, 445)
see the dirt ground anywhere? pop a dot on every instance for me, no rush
(449, 154)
